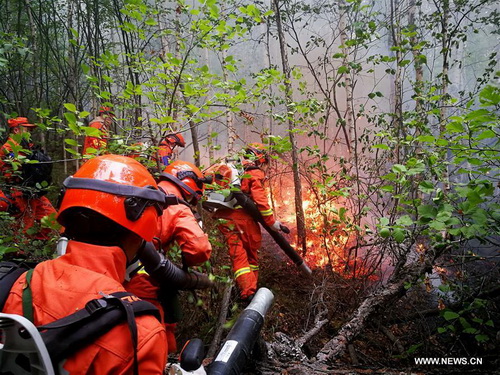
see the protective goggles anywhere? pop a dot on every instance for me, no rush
(137, 198)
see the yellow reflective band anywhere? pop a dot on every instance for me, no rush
(254, 268)
(266, 212)
(241, 271)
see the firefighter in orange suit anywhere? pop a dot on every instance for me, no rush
(102, 123)
(178, 223)
(167, 147)
(242, 232)
(109, 208)
(26, 204)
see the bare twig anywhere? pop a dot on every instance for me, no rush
(220, 322)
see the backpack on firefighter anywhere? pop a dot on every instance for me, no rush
(36, 171)
(26, 349)
(225, 180)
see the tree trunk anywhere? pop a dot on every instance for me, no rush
(419, 71)
(397, 94)
(299, 210)
(443, 112)
(349, 112)
(231, 131)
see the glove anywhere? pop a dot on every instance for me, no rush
(277, 226)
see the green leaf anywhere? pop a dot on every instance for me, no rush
(471, 330)
(404, 221)
(464, 323)
(450, 315)
(399, 235)
(481, 338)
(426, 138)
(71, 142)
(455, 127)
(399, 168)
(70, 117)
(426, 187)
(437, 225)
(387, 188)
(486, 134)
(70, 107)
(343, 69)
(384, 221)
(427, 211)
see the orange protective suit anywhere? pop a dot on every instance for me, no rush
(31, 211)
(177, 223)
(29, 208)
(165, 152)
(242, 232)
(97, 143)
(64, 285)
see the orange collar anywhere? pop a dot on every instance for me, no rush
(107, 260)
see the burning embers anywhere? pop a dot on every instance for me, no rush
(330, 241)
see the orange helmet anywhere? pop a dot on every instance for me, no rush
(176, 139)
(187, 177)
(119, 188)
(106, 111)
(259, 151)
(22, 121)
(220, 174)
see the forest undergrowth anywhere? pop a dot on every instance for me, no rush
(395, 336)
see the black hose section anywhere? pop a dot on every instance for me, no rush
(164, 271)
(249, 205)
(232, 358)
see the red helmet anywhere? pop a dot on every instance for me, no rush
(186, 176)
(119, 188)
(259, 151)
(176, 139)
(19, 121)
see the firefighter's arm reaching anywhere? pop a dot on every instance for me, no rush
(179, 224)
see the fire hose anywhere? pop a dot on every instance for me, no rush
(249, 205)
(232, 357)
(164, 271)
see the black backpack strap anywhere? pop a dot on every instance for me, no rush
(9, 273)
(182, 185)
(68, 335)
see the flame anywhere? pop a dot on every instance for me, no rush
(328, 239)
(421, 248)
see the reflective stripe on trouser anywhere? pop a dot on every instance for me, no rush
(255, 270)
(246, 281)
(243, 238)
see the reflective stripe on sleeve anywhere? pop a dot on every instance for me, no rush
(266, 212)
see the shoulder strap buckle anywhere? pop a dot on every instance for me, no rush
(95, 305)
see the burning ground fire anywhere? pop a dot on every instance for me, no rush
(327, 237)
